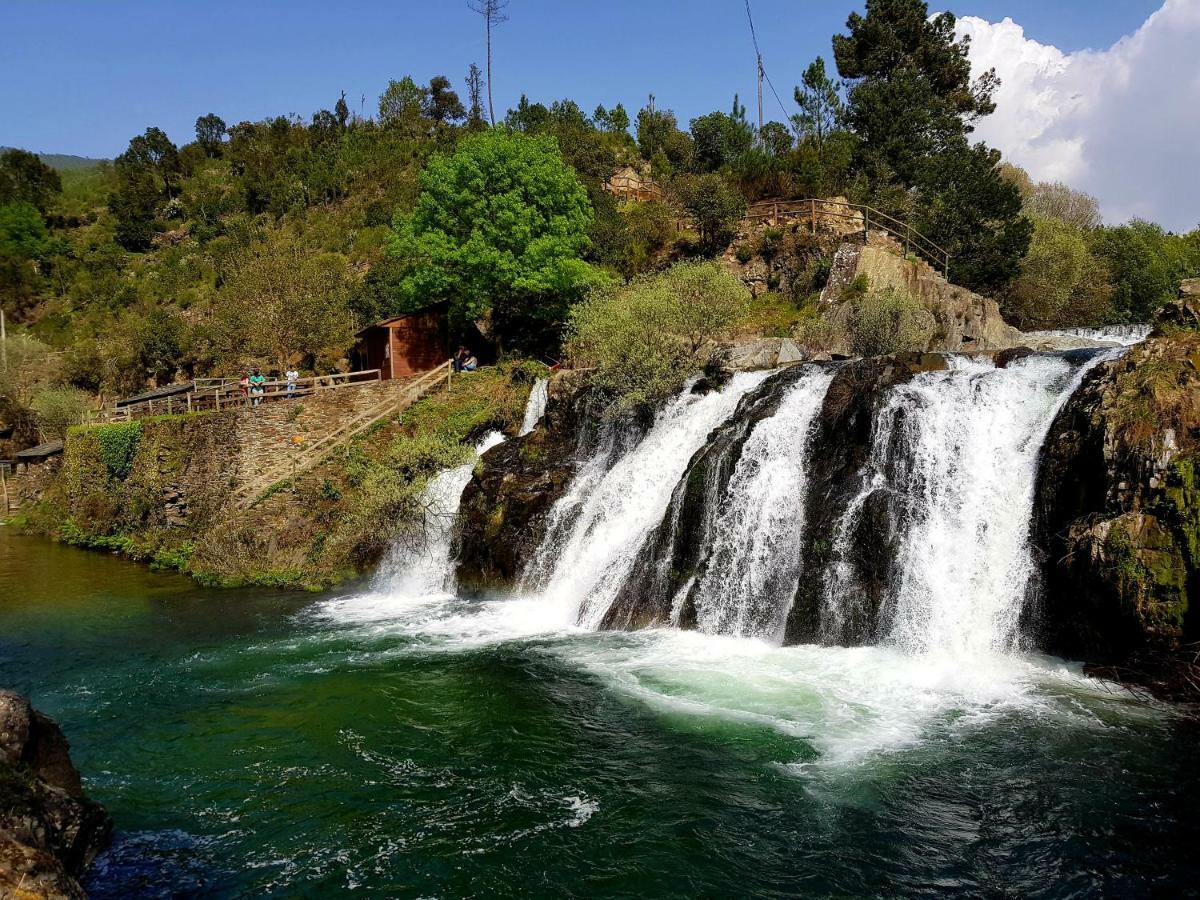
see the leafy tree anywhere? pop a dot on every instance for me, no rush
(776, 139)
(499, 229)
(647, 337)
(341, 111)
(820, 102)
(402, 105)
(967, 208)
(1054, 200)
(1061, 283)
(148, 173)
(24, 178)
(613, 121)
(1146, 265)
(718, 139)
(210, 134)
(661, 142)
(283, 303)
(22, 230)
(910, 84)
(56, 409)
(441, 102)
(714, 205)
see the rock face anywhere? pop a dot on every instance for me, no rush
(506, 505)
(49, 832)
(965, 320)
(1118, 516)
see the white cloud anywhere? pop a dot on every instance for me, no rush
(1122, 123)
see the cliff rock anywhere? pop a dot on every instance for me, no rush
(1118, 516)
(49, 831)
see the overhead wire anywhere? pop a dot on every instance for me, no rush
(761, 67)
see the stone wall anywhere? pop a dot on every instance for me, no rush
(272, 432)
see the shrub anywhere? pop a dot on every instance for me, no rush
(644, 339)
(887, 321)
(58, 408)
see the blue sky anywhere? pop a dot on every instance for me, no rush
(84, 76)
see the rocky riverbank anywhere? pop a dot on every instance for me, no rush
(49, 831)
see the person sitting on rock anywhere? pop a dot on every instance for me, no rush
(459, 357)
(471, 363)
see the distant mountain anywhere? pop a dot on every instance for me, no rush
(64, 162)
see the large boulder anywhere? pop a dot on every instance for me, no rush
(49, 831)
(1118, 516)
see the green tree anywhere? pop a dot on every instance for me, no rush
(1145, 265)
(284, 303)
(24, 178)
(148, 173)
(661, 142)
(441, 102)
(714, 205)
(718, 139)
(402, 105)
(912, 105)
(499, 229)
(210, 134)
(475, 119)
(646, 338)
(821, 108)
(1061, 283)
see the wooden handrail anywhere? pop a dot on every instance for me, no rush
(815, 208)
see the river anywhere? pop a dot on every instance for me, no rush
(254, 744)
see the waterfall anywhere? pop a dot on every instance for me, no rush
(1114, 335)
(748, 584)
(423, 567)
(536, 407)
(954, 457)
(619, 495)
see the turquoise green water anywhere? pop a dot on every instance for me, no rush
(251, 744)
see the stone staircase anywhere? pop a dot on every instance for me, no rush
(299, 456)
(884, 241)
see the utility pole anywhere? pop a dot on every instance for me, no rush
(760, 105)
(493, 14)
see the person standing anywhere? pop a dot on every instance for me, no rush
(258, 383)
(292, 377)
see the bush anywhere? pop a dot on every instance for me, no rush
(888, 321)
(57, 409)
(644, 339)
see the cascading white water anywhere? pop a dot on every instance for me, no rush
(958, 450)
(422, 567)
(597, 528)
(750, 580)
(535, 408)
(1115, 335)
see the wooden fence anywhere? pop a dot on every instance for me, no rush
(216, 394)
(813, 211)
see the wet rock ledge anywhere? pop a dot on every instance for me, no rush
(49, 831)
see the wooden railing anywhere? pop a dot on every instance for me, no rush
(217, 393)
(813, 211)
